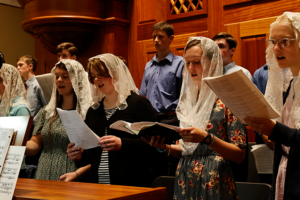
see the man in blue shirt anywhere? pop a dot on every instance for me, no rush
(27, 65)
(162, 78)
(162, 81)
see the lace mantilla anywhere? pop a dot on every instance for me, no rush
(279, 79)
(121, 79)
(189, 111)
(14, 89)
(80, 85)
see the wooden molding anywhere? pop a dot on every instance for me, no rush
(256, 27)
(231, 2)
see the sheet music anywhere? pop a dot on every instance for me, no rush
(263, 158)
(10, 173)
(241, 96)
(5, 139)
(78, 132)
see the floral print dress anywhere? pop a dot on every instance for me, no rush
(204, 175)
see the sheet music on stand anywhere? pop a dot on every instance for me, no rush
(10, 172)
(6, 135)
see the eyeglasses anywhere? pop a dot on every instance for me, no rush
(283, 42)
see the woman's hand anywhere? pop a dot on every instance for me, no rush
(110, 143)
(261, 125)
(156, 142)
(74, 153)
(192, 134)
(72, 176)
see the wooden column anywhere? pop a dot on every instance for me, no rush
(215, 19)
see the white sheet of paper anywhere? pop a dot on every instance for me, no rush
(263, 158)
(241, 96)
(5, 139)
(10, 173)
(78, 132)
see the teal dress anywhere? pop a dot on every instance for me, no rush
(19, 110)
(205, 175)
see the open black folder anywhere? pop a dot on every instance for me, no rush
(148, 129)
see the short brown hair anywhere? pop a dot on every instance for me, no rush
(29, 60)
(229, 39)
(68, 46)
(99, 66)
(164, 26)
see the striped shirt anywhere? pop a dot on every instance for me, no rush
(103, 170)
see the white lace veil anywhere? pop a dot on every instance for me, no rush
(191, 112)
(14, 87)
(80, 83)
(279, 79)
(121, 79)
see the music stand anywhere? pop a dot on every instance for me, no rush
(22, 124)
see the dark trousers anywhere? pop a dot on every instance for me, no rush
(172, 161)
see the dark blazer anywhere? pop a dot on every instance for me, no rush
(137, 163)
(289, 137)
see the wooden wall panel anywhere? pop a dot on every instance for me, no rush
(138, 68)
(151, 11)
(231, 2)
(180, 27)
(254, 53)
(256, 27)
(215, 19)
(234, 30)
(259, 9)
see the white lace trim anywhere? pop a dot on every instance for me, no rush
(80, 85)
(121, 79)
(279, 79)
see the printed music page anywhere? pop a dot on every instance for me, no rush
(10, 172)
(241, 96)
(78, 132)
(5, 139)
(263, 158)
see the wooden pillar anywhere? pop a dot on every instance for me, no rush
(215, 19)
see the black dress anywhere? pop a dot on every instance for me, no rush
(137, 163)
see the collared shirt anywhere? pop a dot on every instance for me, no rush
(232, 67)
(260, 78)
(162, 82)
(35, 96)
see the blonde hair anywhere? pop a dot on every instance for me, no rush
(284, 20)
